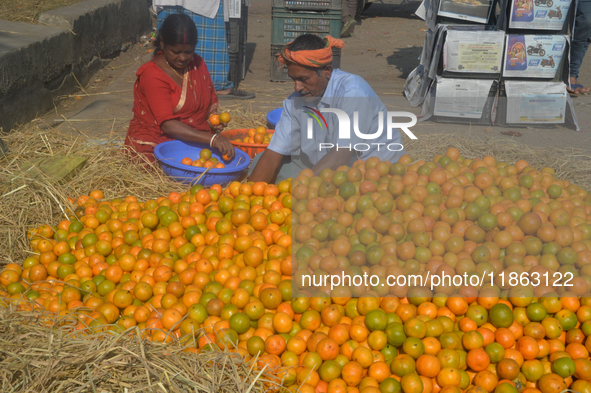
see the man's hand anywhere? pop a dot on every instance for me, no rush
(333, 159)
(267, 167)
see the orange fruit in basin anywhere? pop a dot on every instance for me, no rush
(225, 118)
(261, 130)
(186, 161)
(214, 120)
(251, 132)
(205, 154)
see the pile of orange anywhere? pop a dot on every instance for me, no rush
(213, 269)
(259, 135)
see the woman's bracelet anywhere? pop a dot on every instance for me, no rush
(212, 139)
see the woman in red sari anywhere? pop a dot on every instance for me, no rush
(173, 94)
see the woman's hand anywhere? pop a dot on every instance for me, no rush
(224, 146)
(216, 129)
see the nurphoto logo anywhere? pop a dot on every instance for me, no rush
(344, 131)
(315, 113)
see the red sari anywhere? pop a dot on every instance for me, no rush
(157, 98)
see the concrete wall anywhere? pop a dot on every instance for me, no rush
(37, 61)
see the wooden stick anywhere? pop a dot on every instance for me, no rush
(203, 174)
(15, 190)
(96, 94)
(72, 125)
(80, 120)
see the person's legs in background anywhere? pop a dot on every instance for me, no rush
(580, 44)
(348, 17)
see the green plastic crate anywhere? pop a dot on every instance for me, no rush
(309, 5)
(288, 25)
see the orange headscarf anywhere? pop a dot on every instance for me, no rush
(311, 58)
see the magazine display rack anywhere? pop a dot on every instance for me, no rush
(478, 67)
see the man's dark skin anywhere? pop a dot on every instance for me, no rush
(309, 84)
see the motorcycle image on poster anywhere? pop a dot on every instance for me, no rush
(549, 62)
(533, 56)
(538, 14)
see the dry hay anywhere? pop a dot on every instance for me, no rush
(243, 117)
(573, 164)
(28, 11)
(34, 358)
(28, 200)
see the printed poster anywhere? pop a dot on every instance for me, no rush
(464, 98)
(469, 51)
(535, 102)
(533, 56)
(538, 14)
(472, 10)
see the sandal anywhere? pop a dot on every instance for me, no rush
(348, 28)
(574, 87)
(236, 94)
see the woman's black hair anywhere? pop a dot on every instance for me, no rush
(176, 29)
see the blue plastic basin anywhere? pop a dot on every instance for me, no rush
(274, 116)
(170, 154)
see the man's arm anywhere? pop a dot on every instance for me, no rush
(333, 159)
(267, 167)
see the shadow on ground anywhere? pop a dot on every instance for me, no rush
(406, 9)
(405, 60)
(250, 48)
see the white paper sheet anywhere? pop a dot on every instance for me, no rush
(535, 102)
(421, 11)
(234, 8)
(464, 98)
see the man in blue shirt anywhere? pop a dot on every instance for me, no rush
(310, 132)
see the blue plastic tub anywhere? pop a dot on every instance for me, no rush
(170, 154)
(273, 117)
